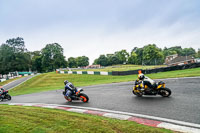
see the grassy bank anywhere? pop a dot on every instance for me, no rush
(41, 120)
(53, 81)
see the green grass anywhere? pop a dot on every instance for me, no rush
(54, 81)
(122, 68)
(21, 119)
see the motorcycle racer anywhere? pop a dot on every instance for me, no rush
(146, 81)
(69, 89)
(1, 93)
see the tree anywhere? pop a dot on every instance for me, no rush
(112, 59)
(167, 52)
(122, 56)
(178, 49)
(52, 57)
(188, 52)
(6, 58)
(152, 55)
(14, 56)
(102, 60)
(72, 62)
(82, 61)
(17, 45)
(132, 59)
(198, 53)
(36, 60)
(139, 53)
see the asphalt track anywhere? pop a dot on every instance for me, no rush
(16, 82)
(182, 105)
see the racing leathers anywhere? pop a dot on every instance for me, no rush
(69, 90)
(1, 93)
(147, 81)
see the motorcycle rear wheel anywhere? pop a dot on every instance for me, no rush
(84, 97)
(8, 97)
(165, 92)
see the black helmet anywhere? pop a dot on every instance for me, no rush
(141, 76)
(65, 82)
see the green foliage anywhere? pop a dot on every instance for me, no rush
(122, 56)
(178, 49)
(102, 60)
(198, 54)
(82, 61)
(152, 55)
(168, 52)
(14, 56)
(52, 57)
(17, 44)
(119, 57)
(112, 59)
(148, 55)
(132, 59)
(72, 62)
(36, 61)
(188, 52)
(139, 53)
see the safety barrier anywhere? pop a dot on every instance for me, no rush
(85, 72)
(4, 79)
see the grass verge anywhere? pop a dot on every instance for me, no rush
(54, 81)
(41, 120)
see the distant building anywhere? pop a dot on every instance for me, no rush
(169, 58)
(197, 60)
(93, 66)
(174, 60)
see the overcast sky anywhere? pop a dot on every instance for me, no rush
(95, 27)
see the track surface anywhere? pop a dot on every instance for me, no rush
(16, 82)
(183, 105)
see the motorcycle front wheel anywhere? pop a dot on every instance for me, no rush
(139, 94)
(165, 92)
(84, 97)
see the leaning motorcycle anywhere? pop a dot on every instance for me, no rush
(5, 95)
(139, 89)
(77, 96)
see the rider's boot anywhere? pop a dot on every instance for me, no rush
(69, 99)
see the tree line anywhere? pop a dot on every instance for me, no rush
(148, 55)
(14, 56)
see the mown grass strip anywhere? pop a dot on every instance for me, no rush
(41, 120)
(54, 81)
